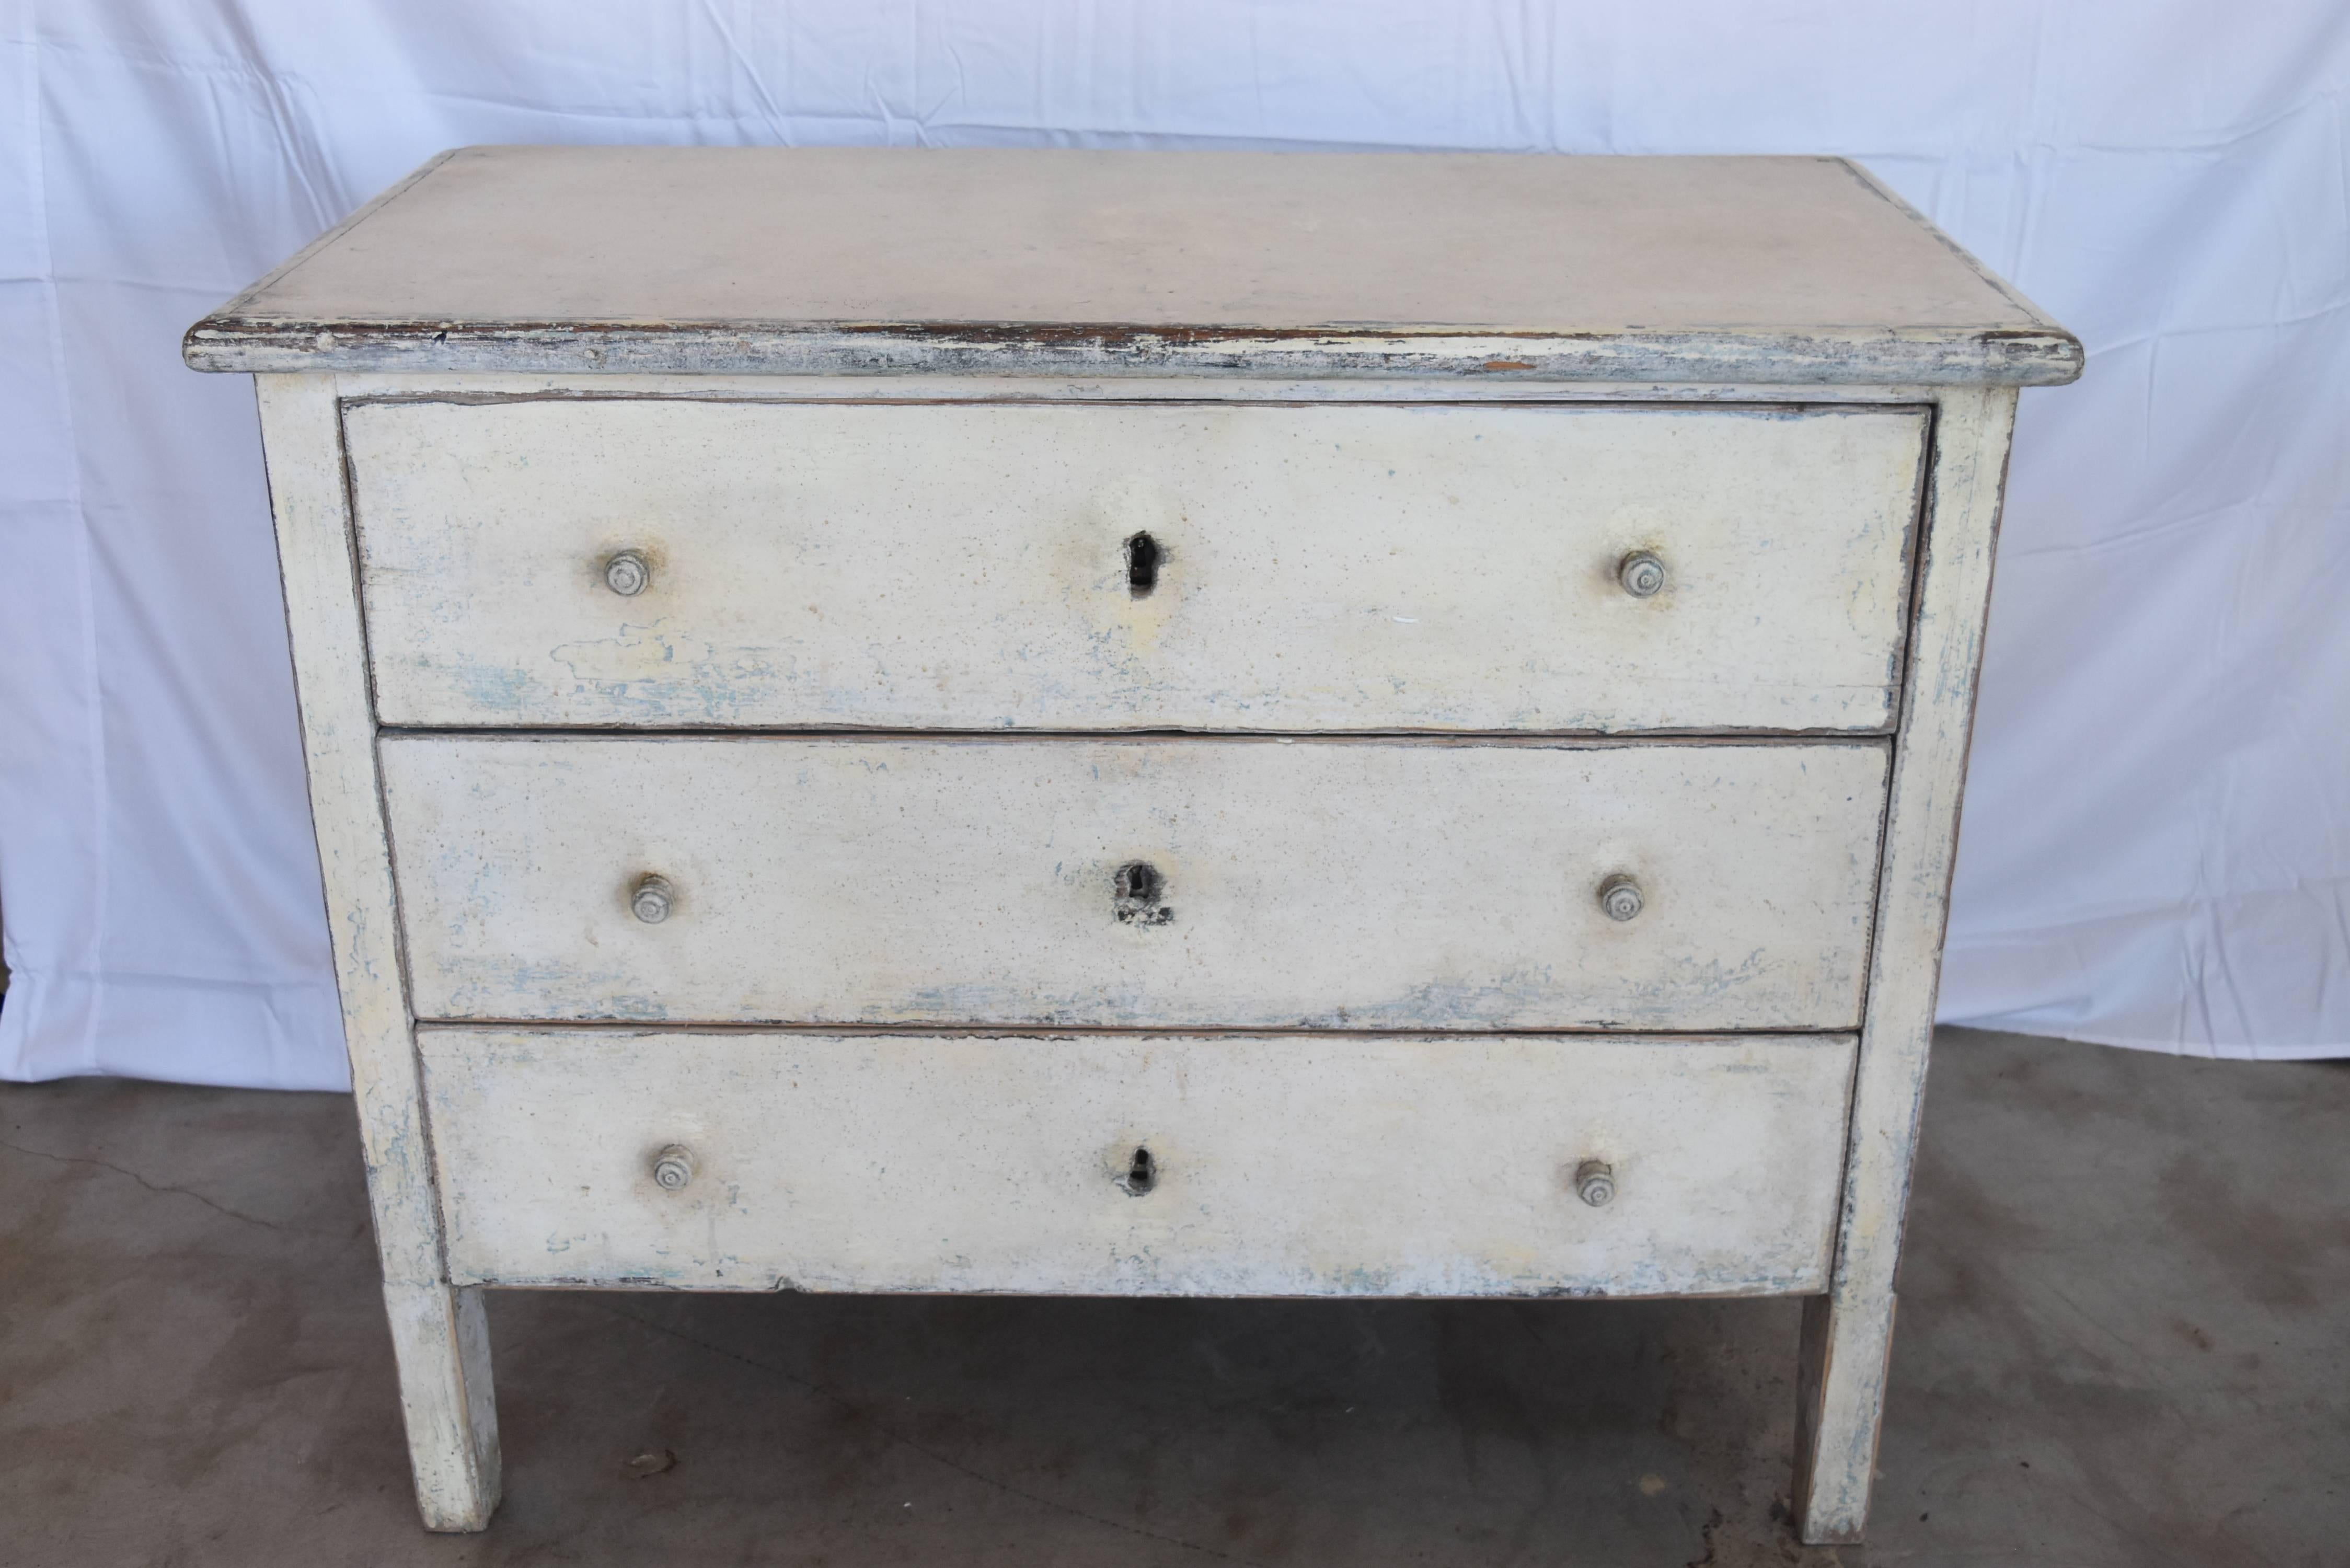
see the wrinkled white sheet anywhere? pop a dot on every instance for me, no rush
(2157, 831)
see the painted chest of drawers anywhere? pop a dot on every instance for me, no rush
(1185, 679)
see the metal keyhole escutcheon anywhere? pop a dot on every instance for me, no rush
(1139, 895)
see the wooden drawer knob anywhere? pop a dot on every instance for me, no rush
(626, 573)
(653, 899)
(673, 1167)
(1619, 897)
(1595, 1182)
(1642, 575)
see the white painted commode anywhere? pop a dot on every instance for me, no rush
(1103, 661)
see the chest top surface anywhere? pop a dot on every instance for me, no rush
(647, 259)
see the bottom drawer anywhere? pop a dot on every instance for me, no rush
(1211, 1165)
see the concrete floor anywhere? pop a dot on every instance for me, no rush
(2125, 1311)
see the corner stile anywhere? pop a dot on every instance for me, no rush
(1847, 1333)
(439, 1333)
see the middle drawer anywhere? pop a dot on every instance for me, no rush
(1168, 883)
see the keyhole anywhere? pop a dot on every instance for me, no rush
(1141, 1173)
(1142, 555)
(1137, 894)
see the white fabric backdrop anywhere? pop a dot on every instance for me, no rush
(2158, 834)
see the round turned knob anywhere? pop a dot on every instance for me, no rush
(673, 1167)
(651, 901)
(626, 573)
(1619, 897)
(1595, 1182)
(1641, 574)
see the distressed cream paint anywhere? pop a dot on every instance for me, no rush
(1383, 737)
(1341, 566)
(1284, 1165)
(1333, 884)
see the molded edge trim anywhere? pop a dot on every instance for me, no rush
(1856, 356)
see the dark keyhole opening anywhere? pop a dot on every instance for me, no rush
(1140, 894)
(1142, 555)
(1141, 1173)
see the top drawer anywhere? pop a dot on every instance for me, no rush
(1133, 565)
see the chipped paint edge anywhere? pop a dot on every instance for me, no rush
(2002, 356)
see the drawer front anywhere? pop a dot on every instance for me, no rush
(1194, 883)
(973, 566)
(1299, 1164)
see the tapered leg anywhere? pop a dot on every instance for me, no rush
(1841, 1391)
(441, 1338)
